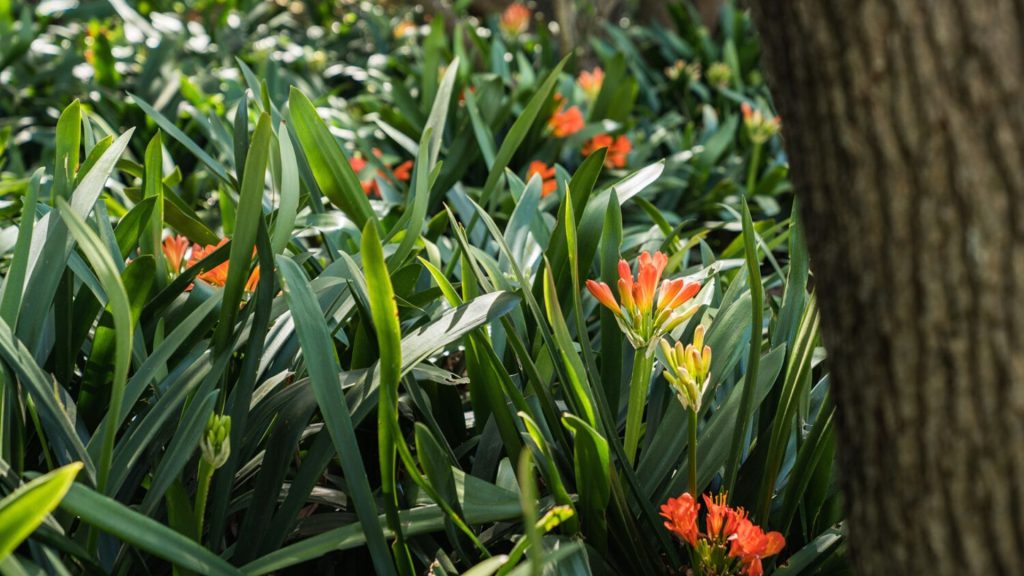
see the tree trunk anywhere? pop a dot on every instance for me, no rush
(904, 121)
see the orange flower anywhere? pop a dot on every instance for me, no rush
(726, 527)
(681, 514)
(403, 29)
(566, 123)
(547, 176)
(403, 171)
(750, 544)
(603, 293)
(722, 521)
(218, 275)
(590, 82)
(649, 272)
(174, 248)
(638, 317)
(618, 147)
(254, 279)
(515, 20)
(759, 127)
(358, 165)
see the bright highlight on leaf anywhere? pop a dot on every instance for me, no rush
(23, 510)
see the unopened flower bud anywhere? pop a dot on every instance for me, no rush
(719, 74)
(216, 441)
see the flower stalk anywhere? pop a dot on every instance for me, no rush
(693, 452)
(755, 159)
(216, 448)
(645, 312)
(688, 370)
(760, 129)
(639, 384)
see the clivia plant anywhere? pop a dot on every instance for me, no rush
(296, 290)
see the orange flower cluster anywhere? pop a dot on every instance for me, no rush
(547, 176)
(641, 319)
(760, 128)
(590, 82)
(565, 123)
(618, 147)
(725, 527)
(175, 247)
(403, 172)
(515, 20)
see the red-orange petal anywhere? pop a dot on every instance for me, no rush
(626, 293)
(776, 542)
(626, 273)
(403, 171)
(688, 291)
(603, 293)
(174, 248)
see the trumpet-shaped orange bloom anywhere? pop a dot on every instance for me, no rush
(218, 275)
(515, 20)
(357, 163)
(368, 177)
(565, 123)
(681, 515)
(722, 521)
(369, 185)
(618, 147)
(751, 544)
(732, 544)
(174, 248)
(547, 176)
(642, 319)
(403, 171)
(590, 82)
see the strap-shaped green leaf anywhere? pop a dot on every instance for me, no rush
(328, 162)
(322, 365)
(120, 308)
(142, 532)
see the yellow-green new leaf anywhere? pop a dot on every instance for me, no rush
(23, 510)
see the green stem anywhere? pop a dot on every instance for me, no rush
(202, 492)
(639, 382)
(755, 159)
(693, 453)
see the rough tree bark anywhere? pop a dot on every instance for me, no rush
(904, 120)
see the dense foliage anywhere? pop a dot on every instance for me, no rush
(294, 287)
